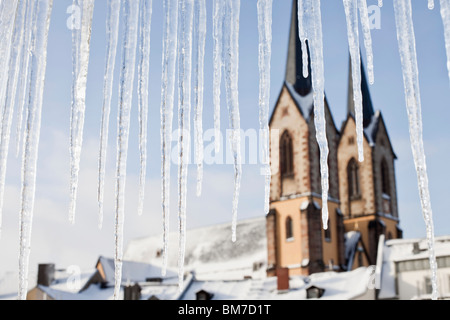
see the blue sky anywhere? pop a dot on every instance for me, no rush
(55, 240)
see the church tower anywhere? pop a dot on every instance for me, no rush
(296, 239)
(368, 192)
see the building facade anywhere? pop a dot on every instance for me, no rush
(362, 196)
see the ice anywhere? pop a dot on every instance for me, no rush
(112, 32)
(408, 56)
(200, 38)
(129, 45)
(10, 97)
(351, 13)
(143, 74)
(265, 53)
(186, 15)
(24, 74)
(303, 35)
(41, 23)
(81, 48)
(431, 4)
(380, 3)
(218, 20)
(365, 23)
(167, 96)
(445, 13)
(231, 70)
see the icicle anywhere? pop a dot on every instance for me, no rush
(380, 3)
(167, 97)
(218, 16)
(408, 55)
(265, 53)
(143, 74)
(81, 47)
(431, 4)
(24, 74)
(445, 14)
(186, 16)
(112, 31)
(365, 23)
(200, 36)
(351, 13)
(231, 68)
(129, 45)
(313, 24)
(41, 22)
(8, 101)
(303, 36)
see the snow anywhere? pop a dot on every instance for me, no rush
(304, 103)
(408, 57)
(351, 241)
(131, 15)
(112, 31)
(265, 54)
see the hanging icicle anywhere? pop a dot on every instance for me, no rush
(231, 69)
(445, 14)
(431, 4)
(365, 23)
(167, 97)
(351, 14)
(312, 22)
(265, 52)
(41, 23)
(143, 75)
(380, 3)
(303, 35)
(408, 56)
(200, 39)
(81, 46)
(186, 16)
(129, 45)
(112, 32)
(218, 20)
(10, 97)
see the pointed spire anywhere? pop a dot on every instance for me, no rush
(294, 65)
(368, 110)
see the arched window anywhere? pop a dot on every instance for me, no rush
(354, 191)
(286, 155)
(289, 228)
(385, 178)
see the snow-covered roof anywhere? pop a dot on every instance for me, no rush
(8, 286)
(210, 251)
(351, 241)
(304, 103)
(397, 250)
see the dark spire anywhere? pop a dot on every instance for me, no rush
(294, 65)
(368, 111)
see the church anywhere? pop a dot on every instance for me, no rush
(362, 198)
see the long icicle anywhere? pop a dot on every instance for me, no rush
(365, 23)
(186, 16)
(112, 31)
(143, 75)
(445, 14)
(312, 21)
(302, 32)
(231, 68)
(200, 35)
(167, 98)
(218, 20)
(24, 74)
(265, 53)
(408, 56)
(431, 4)
(81, 43)
(129, 45)
(41, 25)
(351, 13)
(8, 107)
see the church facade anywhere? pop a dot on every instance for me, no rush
(362, 200)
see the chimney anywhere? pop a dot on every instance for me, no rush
(283, 279)
(46, 274)
(132, 292)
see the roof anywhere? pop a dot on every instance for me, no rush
(351, 242)
(210, 251)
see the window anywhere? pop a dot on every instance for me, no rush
(286, 155)
(328, 233)
(353, 180)
(289, 229)
(360, 257)
(428, 286)
(351, 140)
(385, 178)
